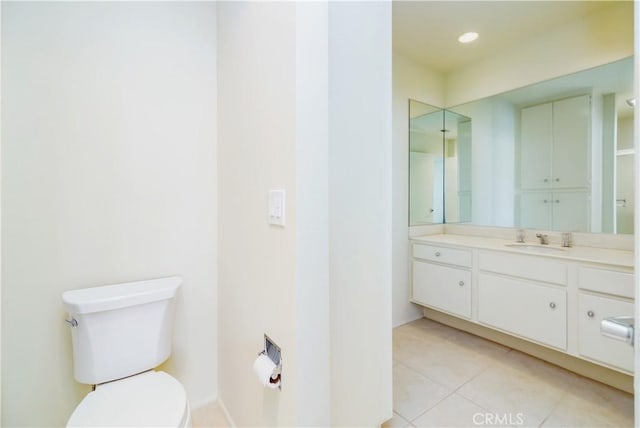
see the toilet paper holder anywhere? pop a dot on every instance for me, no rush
(274, 353)
(619, 328)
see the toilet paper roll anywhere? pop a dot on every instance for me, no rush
(267, 371)
(615, 330)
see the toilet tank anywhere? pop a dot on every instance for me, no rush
(120, 330)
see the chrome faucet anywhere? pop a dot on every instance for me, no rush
(567, 239)
(544, 239)
(520, 235)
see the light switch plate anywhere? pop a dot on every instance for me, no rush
(277, 207)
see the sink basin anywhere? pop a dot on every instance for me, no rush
(541, 249)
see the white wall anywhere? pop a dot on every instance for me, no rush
(360, 211)
(601, 37)
(320, 287)
(108, 175)
(257, 152)
(410, 81)
(312, 212)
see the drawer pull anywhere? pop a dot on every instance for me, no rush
(460, 283)
(552, 305)
(437, 253)
(590, 314)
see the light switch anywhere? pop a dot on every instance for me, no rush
(276, 207)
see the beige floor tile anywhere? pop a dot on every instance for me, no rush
(413, 393)
(448, 362)
(527, 365)
(453, 411)
(406, 344)
(514, 388)
(210, 415)
(397, 422)
(428, 329)
(518, 386)
(480, 346)
(592, 404)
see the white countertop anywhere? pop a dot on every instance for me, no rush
(607, 256)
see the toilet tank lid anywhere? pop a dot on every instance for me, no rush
(108, 297)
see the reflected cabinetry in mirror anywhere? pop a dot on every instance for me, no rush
(554, 165)
(555, 155)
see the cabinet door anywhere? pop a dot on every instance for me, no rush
(442, 287)
(570, 211)
(535, 210)
(571, 129)
(591, 343)
(535, 146)
(530, 310)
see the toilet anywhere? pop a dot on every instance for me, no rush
(120, 334)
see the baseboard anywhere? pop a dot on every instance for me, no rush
(226, 413)
(582, 367)
(195, 405)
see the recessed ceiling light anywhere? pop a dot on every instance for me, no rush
(468, 37)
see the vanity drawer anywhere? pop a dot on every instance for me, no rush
(591, 343)
(532, 311)
(442, 287)
(606, 281)
(448, 255)
(523, 266)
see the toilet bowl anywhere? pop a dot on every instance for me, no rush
(120, 334)
(150, 399)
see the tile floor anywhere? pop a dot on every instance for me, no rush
(210, 415)
(443, 377)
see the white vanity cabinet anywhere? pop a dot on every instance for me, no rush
(524, 295)
(555, 299)
(442, 279)
(604, 293)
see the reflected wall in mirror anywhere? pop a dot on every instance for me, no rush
(556, 155)
(457, 167)
(439, 165)
(426, 164)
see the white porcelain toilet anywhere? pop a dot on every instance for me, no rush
(120, 333)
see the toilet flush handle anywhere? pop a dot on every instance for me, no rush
(72, 322)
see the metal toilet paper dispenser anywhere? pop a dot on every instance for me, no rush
(268, 365)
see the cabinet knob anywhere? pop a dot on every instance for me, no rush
(557, 180)
(557, 201)
(546, 180)
(437, 253)
(545, 201)
(590, 314)
(460, 283)
(552, 305)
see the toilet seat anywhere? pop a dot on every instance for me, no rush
(148, 399)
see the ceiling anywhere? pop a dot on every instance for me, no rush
(427, 31)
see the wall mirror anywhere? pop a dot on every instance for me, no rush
(439, 165)
(556, 155)
(426, 164)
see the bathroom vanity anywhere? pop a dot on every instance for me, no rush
(548, 295)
